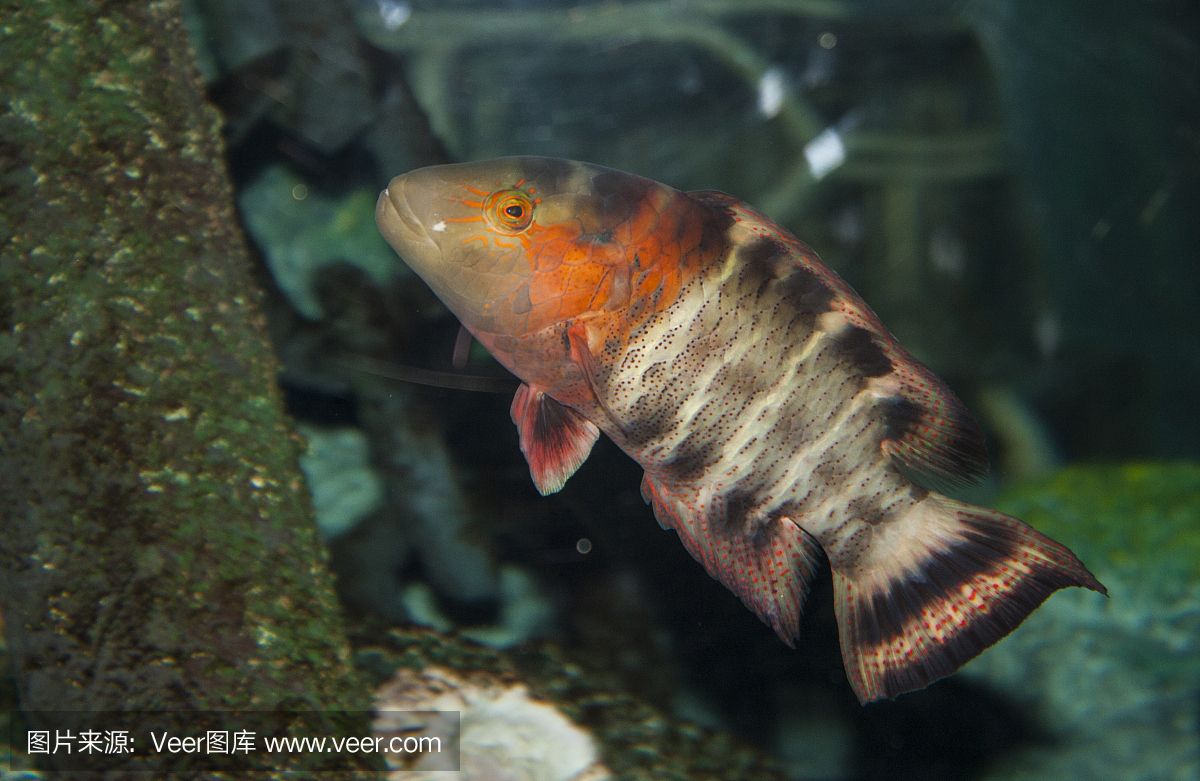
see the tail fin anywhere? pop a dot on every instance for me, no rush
(959, 578)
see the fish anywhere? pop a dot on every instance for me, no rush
(778, 423)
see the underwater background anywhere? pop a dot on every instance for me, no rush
(1011, 185)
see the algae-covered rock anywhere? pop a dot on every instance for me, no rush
(1114, 683)
(158, 552)
(1141, 520)
(633, 739)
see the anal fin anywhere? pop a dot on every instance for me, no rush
(910, 613)
(555, 439)
(768, 562)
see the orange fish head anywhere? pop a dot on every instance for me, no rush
(515, 245)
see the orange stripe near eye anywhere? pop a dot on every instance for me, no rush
(476, 191)
(463, 219)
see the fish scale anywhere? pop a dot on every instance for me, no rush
(778, 422)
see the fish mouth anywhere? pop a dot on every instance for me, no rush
(396, 220)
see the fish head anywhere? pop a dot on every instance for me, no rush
(515, 245)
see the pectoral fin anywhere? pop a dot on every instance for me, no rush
(555, 439)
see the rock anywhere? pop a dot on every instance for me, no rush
(525, 611)
(301, 231)
(345, 489)
(503, 733)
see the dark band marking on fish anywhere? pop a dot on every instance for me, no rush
(944, 572)
(805, 291)
(858, 346)
(551, 173)
(867, 509)
(959, 449)
(737, 511)
(690, 459)
(769, 253)
(651, 425)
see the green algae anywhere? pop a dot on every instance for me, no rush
(1111, 682)
(1141, 517)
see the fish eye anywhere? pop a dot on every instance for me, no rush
(509, 211)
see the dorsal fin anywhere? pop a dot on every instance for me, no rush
(555, 439)
(930, 433)
(769, 563)
(764, 241)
